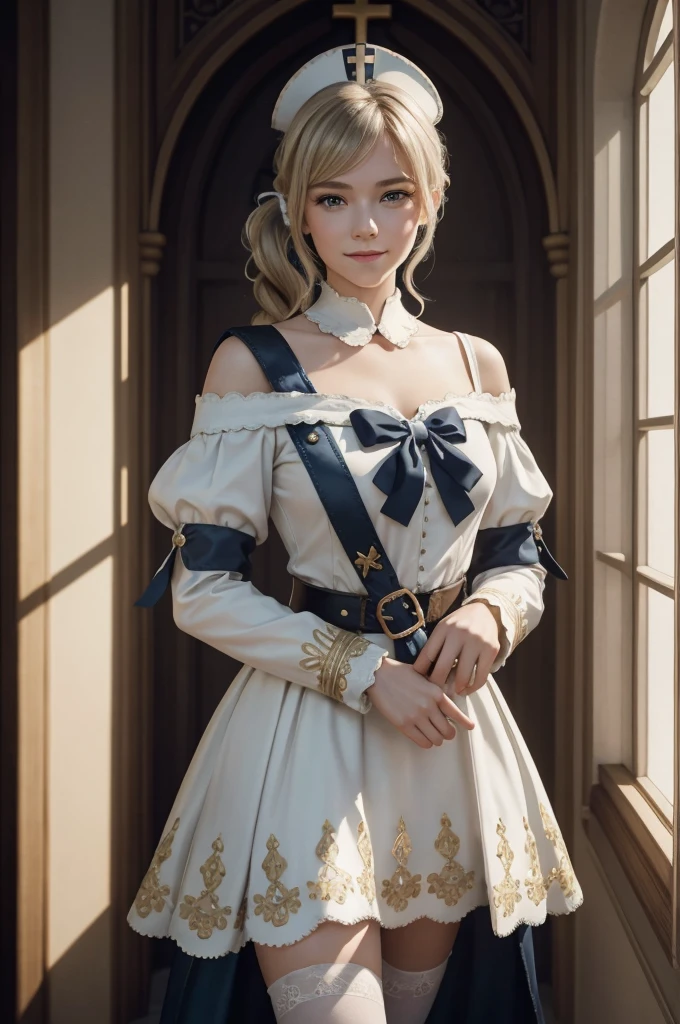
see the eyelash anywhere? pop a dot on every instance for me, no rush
(395, 192)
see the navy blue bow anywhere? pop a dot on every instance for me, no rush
(402, 476)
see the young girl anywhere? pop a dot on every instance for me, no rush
(362, 786)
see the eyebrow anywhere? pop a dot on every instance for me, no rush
(343, 184)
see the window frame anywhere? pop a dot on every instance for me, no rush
(640, 824)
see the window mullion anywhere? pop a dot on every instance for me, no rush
(676, 661)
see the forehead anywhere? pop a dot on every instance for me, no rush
(382, 161)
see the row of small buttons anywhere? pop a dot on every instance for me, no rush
(423, 551)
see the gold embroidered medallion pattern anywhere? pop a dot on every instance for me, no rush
(152, 895)
(366, 879)
(537, 890)
(332, 883)
(564, 875)
(402, 886)
(204, 912)
(506, 891)
(279, 902)
(453, 881)
(331, 658)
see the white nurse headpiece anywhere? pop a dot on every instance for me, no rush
(359, 63)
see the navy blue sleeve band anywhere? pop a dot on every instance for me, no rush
(205, 546)
(518, 544)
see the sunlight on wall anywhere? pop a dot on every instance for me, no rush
(81, 431)
(79, 766)
(82, 508)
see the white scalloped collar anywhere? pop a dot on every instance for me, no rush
(351, 320)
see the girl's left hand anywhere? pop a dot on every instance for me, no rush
(466, 643)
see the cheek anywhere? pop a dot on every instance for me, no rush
(406, 227)
(324, 228)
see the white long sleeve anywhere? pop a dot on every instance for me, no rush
(521, 495)
(225, 478)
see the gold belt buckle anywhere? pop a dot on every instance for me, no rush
(391, 597)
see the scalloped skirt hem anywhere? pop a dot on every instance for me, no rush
(532, 920)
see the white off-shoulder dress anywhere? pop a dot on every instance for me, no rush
(302, 803)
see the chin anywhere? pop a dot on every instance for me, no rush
(366, 275)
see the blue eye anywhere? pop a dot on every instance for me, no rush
(400, 193)
(322, 200)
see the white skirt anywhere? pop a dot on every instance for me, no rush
(297, 810)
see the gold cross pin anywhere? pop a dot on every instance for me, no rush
(369, 561)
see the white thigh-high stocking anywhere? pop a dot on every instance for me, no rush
(337, 993)
(409, 995)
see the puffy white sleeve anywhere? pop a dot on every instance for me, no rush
(521, 495)
(225, 479)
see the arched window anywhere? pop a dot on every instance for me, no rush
(654, 460)
(632, 731)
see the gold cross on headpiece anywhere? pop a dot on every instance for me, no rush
(361, 11)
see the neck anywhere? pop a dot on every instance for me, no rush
(374, 297)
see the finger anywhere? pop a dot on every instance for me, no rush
(424, 659)
(451, 710)
(484, 663)
(448, 654)
(466, 663)
(428, 653)
(442, 724)
(412, 732)
(430, 732)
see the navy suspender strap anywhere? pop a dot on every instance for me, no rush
(340, 496)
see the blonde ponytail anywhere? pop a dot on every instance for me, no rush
(278, 287)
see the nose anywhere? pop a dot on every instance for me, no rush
(364, 226)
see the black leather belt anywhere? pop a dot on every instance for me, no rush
(361, 614)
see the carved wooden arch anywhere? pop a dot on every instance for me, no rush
(484, 43)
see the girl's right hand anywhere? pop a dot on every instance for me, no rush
(414, 705)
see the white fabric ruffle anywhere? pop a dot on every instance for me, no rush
(235, 411)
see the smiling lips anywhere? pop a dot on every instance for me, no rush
(366, 256)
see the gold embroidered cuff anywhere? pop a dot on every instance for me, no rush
(512, 611)
(331, 658)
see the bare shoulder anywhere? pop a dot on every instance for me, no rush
(493, 372)
(234, 368)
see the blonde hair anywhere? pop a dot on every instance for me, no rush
(332, 132)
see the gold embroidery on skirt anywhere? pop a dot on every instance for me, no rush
(402, 886)
(565, 873)
(333, 883)
(241, 915)
(506, 891)
(276, 910)
(453, 881)
(204, 912)
(366, 879)
(537, 885)
(151, 894)
(331, 658)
